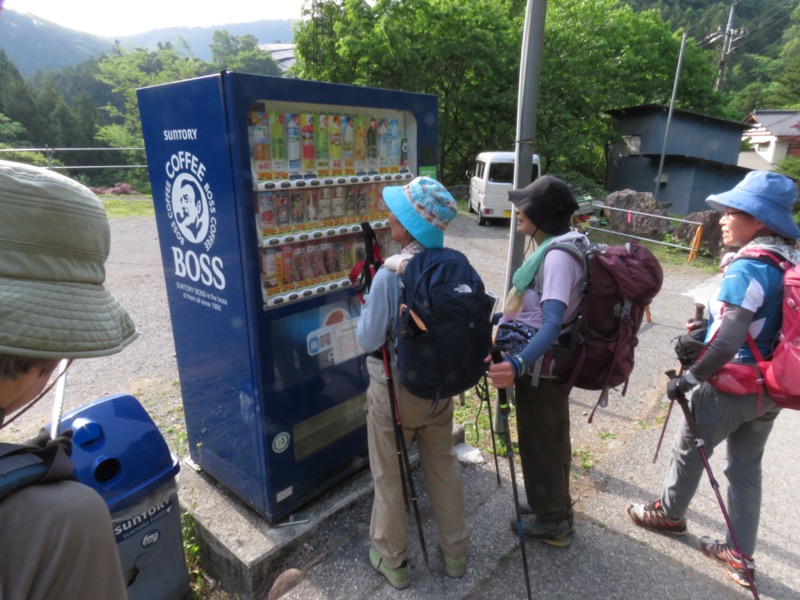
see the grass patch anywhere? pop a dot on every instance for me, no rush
(128, 206)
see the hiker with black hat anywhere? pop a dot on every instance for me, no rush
(546, 293)
(56, 537)
(420, 212)
(756, 216)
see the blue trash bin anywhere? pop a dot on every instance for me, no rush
(119, 452)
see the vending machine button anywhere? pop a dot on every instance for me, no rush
(330, 232)
(302, 237)
(300, 183)
(317, 234)
(314, 182)
(286, 184)
(307, 293)
(342, 180)
(320, 289)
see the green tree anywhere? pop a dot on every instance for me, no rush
(241, 53)
(125, 72)
(598, 55)
(601, 54)
(465, 53)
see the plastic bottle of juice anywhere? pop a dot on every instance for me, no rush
(335, 144)
(293, 143)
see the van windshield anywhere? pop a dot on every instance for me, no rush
(501, 173)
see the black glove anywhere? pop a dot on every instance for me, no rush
(678, 386)
(43, 440)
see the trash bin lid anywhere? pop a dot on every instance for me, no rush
(118, 450)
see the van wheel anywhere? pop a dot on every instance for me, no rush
(469, 204)
(481, 219)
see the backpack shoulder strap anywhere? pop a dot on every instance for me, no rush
(19, 468)
(581, 254)
(767, 257)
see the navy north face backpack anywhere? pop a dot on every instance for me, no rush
(445, 327)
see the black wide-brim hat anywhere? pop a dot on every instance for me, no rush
(548, 202)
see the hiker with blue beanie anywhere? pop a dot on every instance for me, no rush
(420, 213)
(546, 294)
(56, 536)
(756, 217)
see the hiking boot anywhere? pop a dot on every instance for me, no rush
(525, 510)
(399, 577)
(653, 516)
(555, 533)
(728, 558)
(455, 567)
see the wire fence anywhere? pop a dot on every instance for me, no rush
(692, 249)
(586, 207)
(50, 154)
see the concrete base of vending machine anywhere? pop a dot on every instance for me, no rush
(241, 550)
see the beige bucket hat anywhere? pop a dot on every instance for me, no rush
(54, 242)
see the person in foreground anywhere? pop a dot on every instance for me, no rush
(56, 537)
(420, 212)
(757, 213)
(546, 294)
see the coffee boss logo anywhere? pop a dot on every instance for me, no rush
(192, 212)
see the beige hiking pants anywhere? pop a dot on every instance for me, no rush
(440, 468)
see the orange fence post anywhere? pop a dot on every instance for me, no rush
(698, 235)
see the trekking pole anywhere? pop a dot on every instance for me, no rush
(700, 443)
(698, 315)
(482, 389)
(406, 478)
(502, 401)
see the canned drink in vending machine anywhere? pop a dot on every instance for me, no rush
(283, 211)
(325, 206)
(312, 208)
(266, 213)
(269, 270)
(297, 199)
(314, 259)
(285, 268)
(337, 206)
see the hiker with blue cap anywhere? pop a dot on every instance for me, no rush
(757, 218)
(56, 536)
(420, 213)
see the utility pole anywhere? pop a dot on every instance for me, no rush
(731, 35)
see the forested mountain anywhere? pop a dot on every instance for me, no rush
(34, 44)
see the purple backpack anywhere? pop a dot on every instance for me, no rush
(596, 349)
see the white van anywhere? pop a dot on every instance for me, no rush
(490, 183)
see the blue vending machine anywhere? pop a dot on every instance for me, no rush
(260, 186)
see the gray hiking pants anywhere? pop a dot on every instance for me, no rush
(721, 416)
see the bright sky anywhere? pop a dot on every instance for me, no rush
(109, 18)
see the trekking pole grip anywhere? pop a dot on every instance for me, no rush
(502, 398)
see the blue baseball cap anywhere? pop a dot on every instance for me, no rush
(767, 196)
(424, 207)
